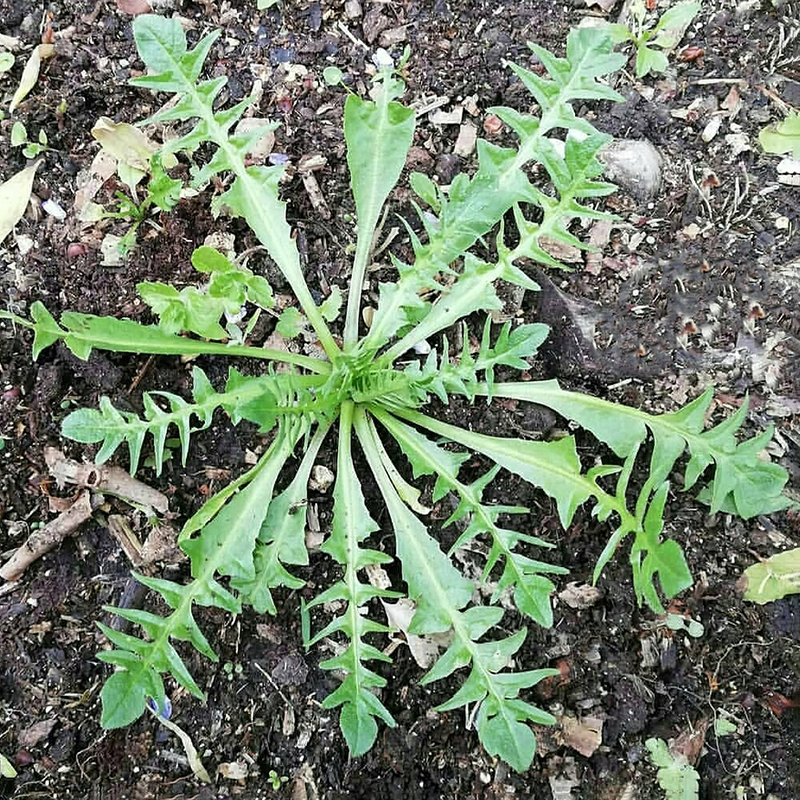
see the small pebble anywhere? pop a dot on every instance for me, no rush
(54, 210)
(321, 479)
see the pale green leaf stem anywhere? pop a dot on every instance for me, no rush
(352, 524)
(531, 589)
(83, 333)
(263, 399)
(281, 539)
(477, 205)
(555, 468)
(754, 485)
(378, 137)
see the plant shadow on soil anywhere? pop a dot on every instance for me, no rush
(643, 683)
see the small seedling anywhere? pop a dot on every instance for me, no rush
(676, 776)
(678, 622)
(661, 35)
(19, 138)
(723, 726)
(275, 780)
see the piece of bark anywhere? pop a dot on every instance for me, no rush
(45, 539)
(119, 528)
(106, 479)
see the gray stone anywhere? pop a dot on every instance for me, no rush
(634, 165)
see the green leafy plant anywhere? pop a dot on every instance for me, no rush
(136, 158)
(275, 780)
(662, 35)
(245, 543)
(19, 138)
(676, 776)
(161, 193)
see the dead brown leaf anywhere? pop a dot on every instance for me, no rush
(31, 73)
(134, 7)
(580, 595)
(689, 743)
(37, 732)
(583, 735)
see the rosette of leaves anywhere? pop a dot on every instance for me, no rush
(246, 542)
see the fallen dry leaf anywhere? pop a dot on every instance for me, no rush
(424, 649)
(233, 771)
(9, 42)
(31, 73)
(604, 5)
(134, 7)
(583, 735)
(565, 253)
(128, 145)
(691, 53)
(580, 595)
(14, 196)
(689, 743)
(36, 733)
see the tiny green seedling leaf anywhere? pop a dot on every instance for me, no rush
(724, 727)
(332, 76)
(19, 135)
(331, 305)
(782, 137)
(6, 61)
(290, 323)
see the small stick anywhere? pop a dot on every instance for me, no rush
(111, 480)
(45, 539)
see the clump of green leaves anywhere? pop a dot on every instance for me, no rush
(654, 42)
(136, 159)
(248, 541)
(676, 776)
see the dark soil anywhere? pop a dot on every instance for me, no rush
(688, 292)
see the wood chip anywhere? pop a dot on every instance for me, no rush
(452, 117)
(44, 539)
(582, 735)
(107, 479)
(467, 138)
(36, 733)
